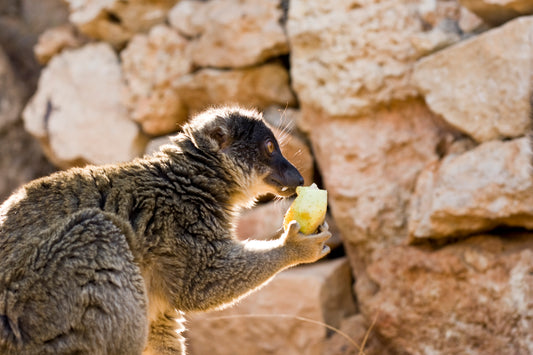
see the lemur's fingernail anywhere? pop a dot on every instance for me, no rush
(284, 188)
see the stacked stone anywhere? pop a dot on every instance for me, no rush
(415, 114)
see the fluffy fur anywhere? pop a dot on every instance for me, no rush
(103, 260)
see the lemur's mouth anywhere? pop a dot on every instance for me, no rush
(281, 189)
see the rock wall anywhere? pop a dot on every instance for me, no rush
(413, 114)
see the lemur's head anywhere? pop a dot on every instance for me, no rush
(244, 144)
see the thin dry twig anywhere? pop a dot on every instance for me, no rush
(365, 338)
(303, 319)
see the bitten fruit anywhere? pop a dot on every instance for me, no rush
(308, 209)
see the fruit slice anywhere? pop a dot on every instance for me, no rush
(308, 209)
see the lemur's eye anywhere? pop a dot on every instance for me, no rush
(270, 147)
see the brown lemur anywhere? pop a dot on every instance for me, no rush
(105, 259)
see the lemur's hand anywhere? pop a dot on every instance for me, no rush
(303, 248)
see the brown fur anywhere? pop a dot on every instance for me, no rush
(104, 260)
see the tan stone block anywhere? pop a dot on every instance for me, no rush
(77, 111)
(151, 63)
(269, 321)
(256, 87)
(481, 86)
(232, 33)
(471, 297)
(348, 57)
(473, 192)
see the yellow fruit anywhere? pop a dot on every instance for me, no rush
(308, 209)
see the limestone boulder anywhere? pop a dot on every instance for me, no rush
(481, 86)
(77, 111)
(116, 21)
(497, 12)
(470, 297)
(287, 316)
(348, 57)
(54, 40)
(369, 167)
(470, 22)
(257, 87)
(232, 33)
(151, 63)
(486, 187)
(262, 221)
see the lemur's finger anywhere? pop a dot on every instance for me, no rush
(293, 228)
(325, 251)
(320, 237)
(323, 227)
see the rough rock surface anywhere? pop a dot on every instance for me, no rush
(266, 323)
(497, 12)
(472, 297)
(116, 21)
(370, 166)
(150, 64)
(257, 87)
(54, 40)
(262, 221)
(363, 50)
(481, 86)
(476, 191)
(232, 33)
(77, 111)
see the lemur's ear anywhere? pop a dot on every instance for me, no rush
(221, 135)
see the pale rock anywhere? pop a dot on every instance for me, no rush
(11, 93)
(471, 297)
(151, 63)
(184, 17)
(54, 40)
(77, 111)
(274, 320)
(231, 33)
(481, 86)
(434, 12)
(369, 167)
(497, 12)
(470, 22)
(116, 21)
(262, 221)
(486, 187)
(348, 57)
(257, 87)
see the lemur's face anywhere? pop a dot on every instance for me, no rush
(244, 138)
(257, 146)
(276, 171)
